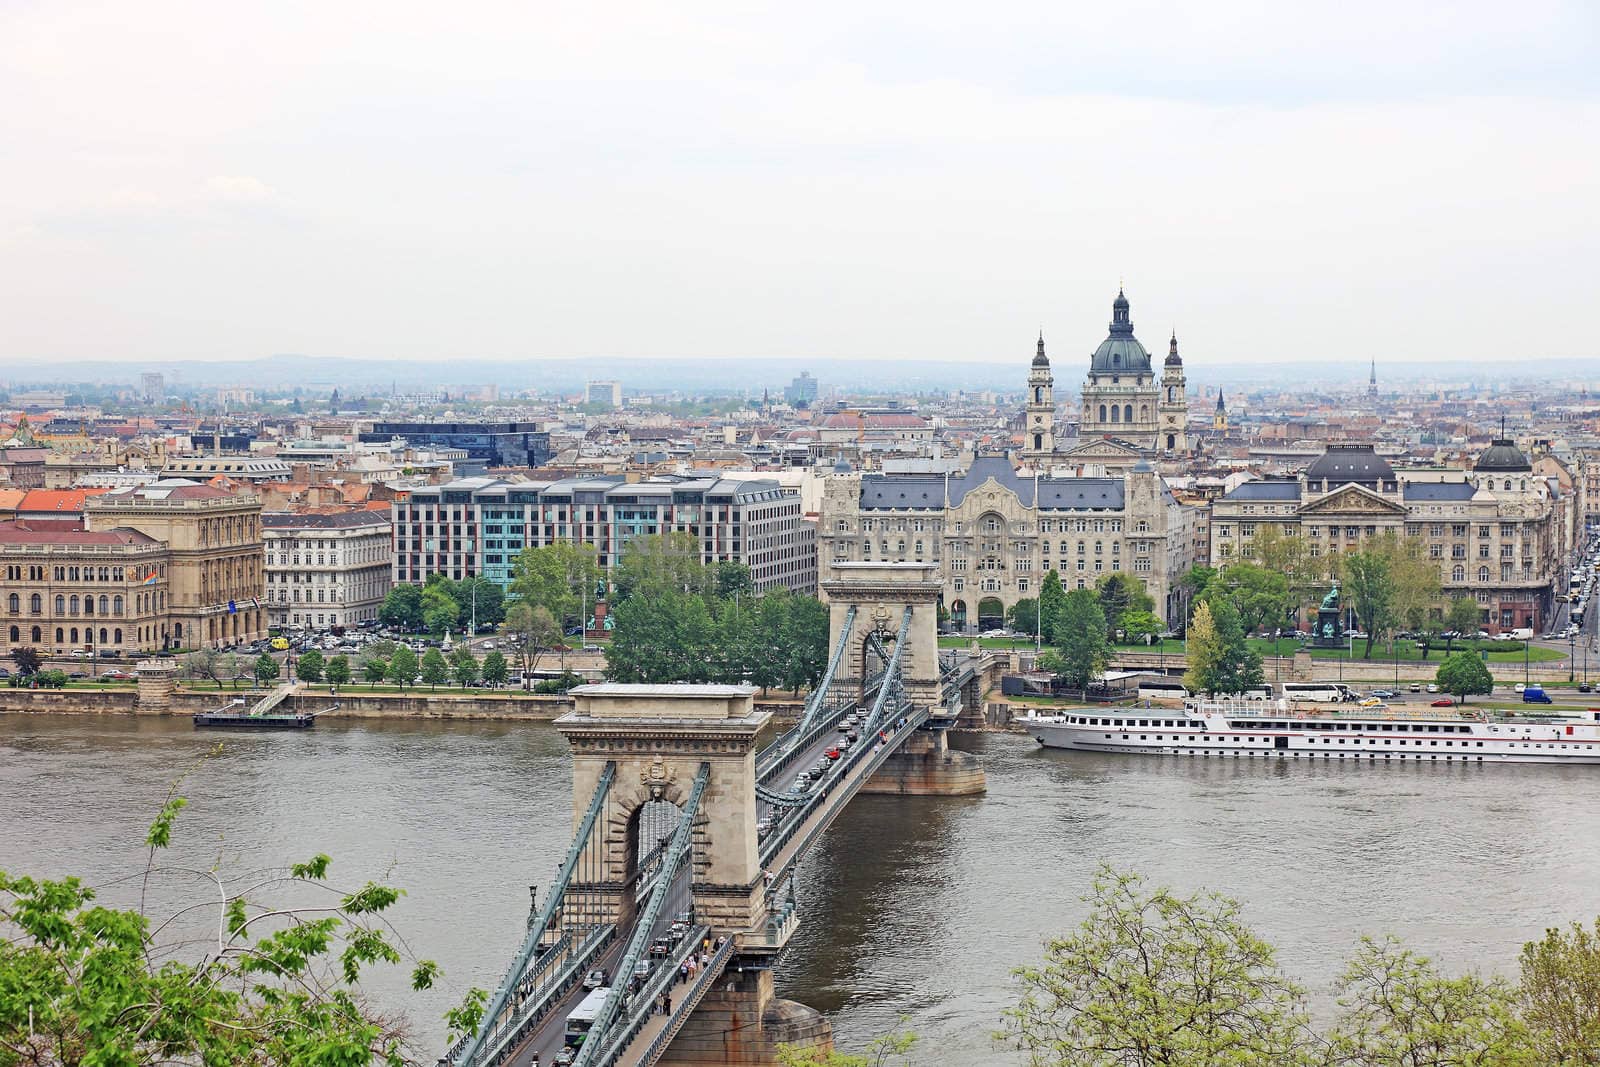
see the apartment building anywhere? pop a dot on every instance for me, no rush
(326, 568)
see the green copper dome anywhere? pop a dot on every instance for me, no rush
(1120, 352)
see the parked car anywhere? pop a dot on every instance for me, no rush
(1383, 694)
(116, 676)
(1416, 687)
(1433, 687)
(1444, 702)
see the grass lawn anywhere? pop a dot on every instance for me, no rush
(1408, 652)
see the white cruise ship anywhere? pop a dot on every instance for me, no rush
(1269, 730)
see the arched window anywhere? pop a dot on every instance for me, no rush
(61, 604)
(1172, 442)
(38, 635)
(1483, 574)
(35, 604)
(1038, 442)
(1508, 484)
(1116, 413)
(1127, 413)
(1102, 413)
(102, 635)
(119, 635)
(88, 605)
(14, 603)
(105, 603)
(1458, 573)
(58, 635)
(116, 604)
(74, 635)
(16, 634)
(1038, 394)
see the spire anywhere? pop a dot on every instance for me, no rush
(1121, 324)
(1039, 358)
(1220, 405)
(1173, 359)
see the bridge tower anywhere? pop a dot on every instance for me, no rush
(881, 593)
(658, 736)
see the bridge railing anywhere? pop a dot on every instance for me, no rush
(815, 703)
(681, 1013)
(492, 1018)
(532, 1013)
(682, 838)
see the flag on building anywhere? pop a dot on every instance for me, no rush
(232, 608)
(149, 579)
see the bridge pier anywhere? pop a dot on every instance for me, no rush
(741, 1022)
(926, 766)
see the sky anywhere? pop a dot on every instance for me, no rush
(1294, 184)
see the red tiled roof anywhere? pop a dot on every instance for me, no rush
(56, 501)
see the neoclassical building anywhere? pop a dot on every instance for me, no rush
(1128, 412)
(1494, 531)
(994, 534)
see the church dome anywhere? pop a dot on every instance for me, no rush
(1120, 352)
(1350, 463)
(1503, 457)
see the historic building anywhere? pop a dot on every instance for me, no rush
(215, 581)
(69, 589)
(326, 568)
(1495, 531)
(994, 534)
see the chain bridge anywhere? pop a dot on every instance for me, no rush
(689, 821)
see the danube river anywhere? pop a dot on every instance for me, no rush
(917, 907)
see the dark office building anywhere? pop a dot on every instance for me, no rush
(489, 444)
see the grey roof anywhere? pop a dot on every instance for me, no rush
(1349, 463)
(1276, 489)
(1439, 491)
(1503, 456)
(292, 520)
(893, 491)
(1120, 352)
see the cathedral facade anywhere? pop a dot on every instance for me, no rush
(1127, 408)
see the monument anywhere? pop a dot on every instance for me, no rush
(1329, 632)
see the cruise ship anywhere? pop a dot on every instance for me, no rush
(1282, 730)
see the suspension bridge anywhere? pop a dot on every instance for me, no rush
(675, 901)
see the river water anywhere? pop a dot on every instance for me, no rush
(911, 906)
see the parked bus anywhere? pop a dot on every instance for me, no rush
(1322, 692)
(1155, 689)
(581, 1021)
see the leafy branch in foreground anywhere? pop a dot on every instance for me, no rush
(83, 984)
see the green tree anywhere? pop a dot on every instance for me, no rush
(402, 608)
(337, 671)
(530, 629)
(665, 637)
(1023, 616)
(464, 665)
(1082, 649)
(1219, 658)
(1051, 597)
(891, 1048)
(440, 612)
(310, 665)
(403, 667)
(1119, 593)
(495, 670)
(1559, 995)
(266, 670)
(434, 668)
(1414, 578)
(1462, 617)
(1152, 979)
(732, 580)
(86, 984)
(1138, 626)
(1396, 1008)
(490, 605)
(1462, 674)
(1367, 583)
(805, 642)
(375, 670)
(1196, 580)
(558, 578)
(27, 660)
(661, 563)
(1261, 596)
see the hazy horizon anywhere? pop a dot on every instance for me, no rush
(1292, 186)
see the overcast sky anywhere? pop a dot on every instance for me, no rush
(1292, 182)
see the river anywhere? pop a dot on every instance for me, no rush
(912, 906)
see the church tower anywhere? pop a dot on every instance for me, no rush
(1041, 407)
(1121, 393)
(1219, 421)
(1174, 405)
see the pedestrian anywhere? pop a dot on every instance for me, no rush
(705, 960)
(683, 971)
(667, 1001)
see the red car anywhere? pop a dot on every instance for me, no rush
(832, 753)
(1444, 702)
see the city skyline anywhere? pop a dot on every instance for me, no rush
(842, 183)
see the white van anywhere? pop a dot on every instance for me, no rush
(1522, 633)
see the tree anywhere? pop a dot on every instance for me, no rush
(1261, 596)
(1462, 674)
(1023, 616)
(489, 608)
(1414, 578)
(1137, 626)
(403, 667)
(662, 563)
(1219, 658)
(1119, 593)
(309, 667)
(205, 663)
(338, 670)
(1398, 1009)
(27, 659)
(804, 642)
(1461, 617)
(266, 670)
(434, 668)
(733, 581)
(529, 629)
(556, 577)
(374, 670)
(1082, 650)
(402, 608)
(1368, 585)
(1559, 995)
(440, 612)
(89, 984)
(464, 665)
(882, 1051)
(1150, 978)
(1051, 597)
(495, 671)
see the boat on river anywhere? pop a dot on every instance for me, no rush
(1283, 730)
